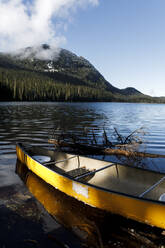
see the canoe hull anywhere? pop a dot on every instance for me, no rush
(142, 210)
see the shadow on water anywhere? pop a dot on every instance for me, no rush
(32, 233)
(19, 232)
(95, 227)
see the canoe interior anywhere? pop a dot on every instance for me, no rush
(118, 178)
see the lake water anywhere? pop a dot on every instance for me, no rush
(35, 123)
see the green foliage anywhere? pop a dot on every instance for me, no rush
(31, 86)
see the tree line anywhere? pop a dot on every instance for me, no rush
(22, 85)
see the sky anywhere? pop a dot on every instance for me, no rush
(123, 39)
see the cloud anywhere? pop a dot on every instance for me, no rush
(32, 22)
(41, 52)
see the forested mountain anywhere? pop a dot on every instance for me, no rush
(44, 73)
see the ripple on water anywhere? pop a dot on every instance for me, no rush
(11, 146)
(32, 123)
(8, 155)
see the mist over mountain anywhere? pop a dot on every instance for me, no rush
(49, 73)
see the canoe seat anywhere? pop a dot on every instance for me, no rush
(79, 172)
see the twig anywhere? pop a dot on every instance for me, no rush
(119, 137)
(131, 135)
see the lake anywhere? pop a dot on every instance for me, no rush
(35, 123)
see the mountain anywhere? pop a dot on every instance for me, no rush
(46, 73)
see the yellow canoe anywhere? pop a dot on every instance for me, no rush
(131, 192)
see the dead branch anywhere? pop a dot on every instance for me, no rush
(104, 151)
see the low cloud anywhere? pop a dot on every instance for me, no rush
(31, 22)
(41, 52)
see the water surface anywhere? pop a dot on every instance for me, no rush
(34, 123)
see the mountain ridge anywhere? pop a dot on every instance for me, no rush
(60, 58)
(70, 77)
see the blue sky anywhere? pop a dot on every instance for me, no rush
(125, 40)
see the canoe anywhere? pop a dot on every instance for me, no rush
(134, 193)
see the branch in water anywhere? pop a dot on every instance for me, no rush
(101, 151)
